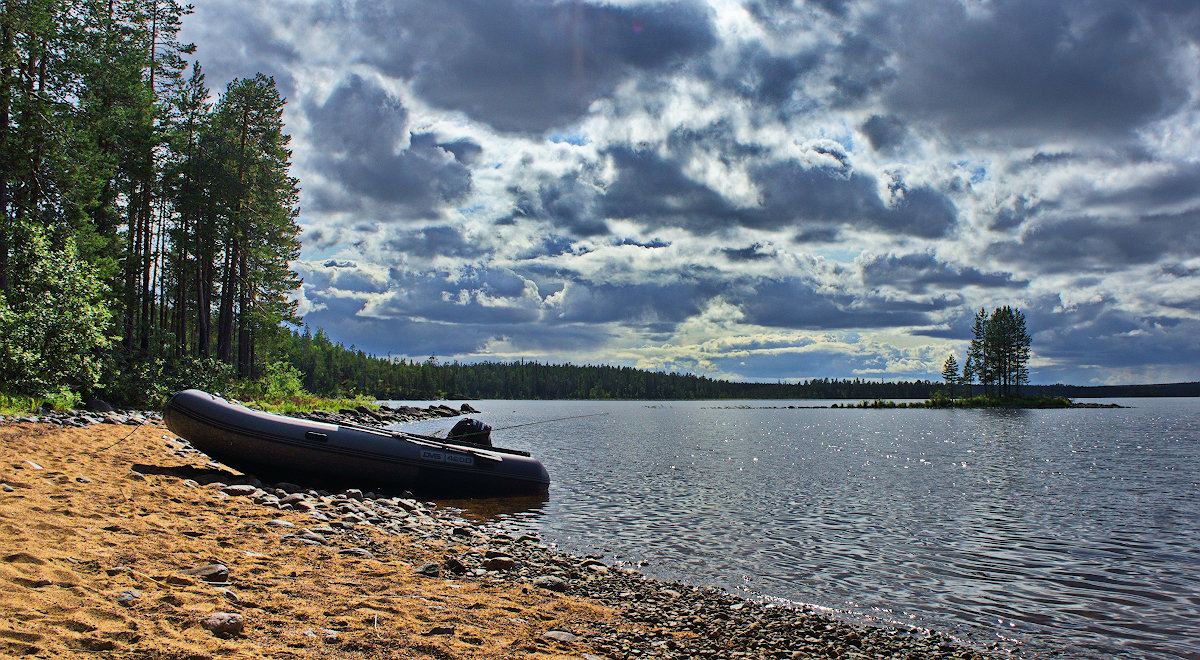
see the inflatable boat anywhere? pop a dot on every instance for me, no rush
(365, 457)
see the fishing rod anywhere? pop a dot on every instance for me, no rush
(426, 440)
(447, 443)
(547, 421)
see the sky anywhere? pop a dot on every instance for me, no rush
(752, 190)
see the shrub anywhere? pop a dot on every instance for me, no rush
(53, 320)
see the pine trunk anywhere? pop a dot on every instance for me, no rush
(225, 313)
(6, 73)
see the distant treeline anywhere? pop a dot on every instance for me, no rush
(329, 368)
(1113, 391)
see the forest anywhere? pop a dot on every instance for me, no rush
(145, 228)
(327, 366)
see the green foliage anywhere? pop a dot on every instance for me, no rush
(999, 351)
(150, 382)
(308, 402)
(1011, 401)
(53, 320)
(21, 404)
(280, 379)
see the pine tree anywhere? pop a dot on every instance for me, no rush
(950, 372)
(256, 207)
(999, 350)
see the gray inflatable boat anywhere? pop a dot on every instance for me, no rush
(368, 458)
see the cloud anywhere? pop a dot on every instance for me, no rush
(758, 188)
(921, 272)
(1089, 244)
(1030, 69)
(367, 155)
(526, 66)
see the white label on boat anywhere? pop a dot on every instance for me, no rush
(446, 457)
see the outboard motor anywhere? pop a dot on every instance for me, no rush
(471, 432)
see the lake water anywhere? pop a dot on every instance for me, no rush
(1058, 533)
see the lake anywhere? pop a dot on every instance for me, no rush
(1073, 533)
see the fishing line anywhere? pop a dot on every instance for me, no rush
(547, 421)
(127, 436)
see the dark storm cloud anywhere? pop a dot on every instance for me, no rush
(1178, 270)
(360, 130)
(885, 132)
(378, 336)
(1179, 185)
(642, 303)
(818, 235)
(526, 66)
(1099, 334)
(917, 273)
(442, 240)
(656, 192)
(861, 68)
(478, 295)
(756, 252)
(1086, 244)
(1031, 68)
(831, 197)
(768, 78)
(794, 303)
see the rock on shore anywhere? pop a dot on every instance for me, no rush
(361, 415)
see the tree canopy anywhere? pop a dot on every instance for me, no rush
(172, 218)
(998, 355)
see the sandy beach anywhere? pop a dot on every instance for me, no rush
(122, 541)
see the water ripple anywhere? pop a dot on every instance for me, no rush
(1072, 533)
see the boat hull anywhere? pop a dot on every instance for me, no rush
(299, 449)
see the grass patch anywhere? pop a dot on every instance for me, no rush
(18, 404)
(308, 402)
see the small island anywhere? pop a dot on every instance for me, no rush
(996, 367)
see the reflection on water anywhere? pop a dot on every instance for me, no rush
(495, 509)
(1072, 532)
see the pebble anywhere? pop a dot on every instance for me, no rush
(431, 569)
(209, 573)
(499, 563)
(224, 624)
(561, 636)
(79, 419)
(551, 583)
(306, 534)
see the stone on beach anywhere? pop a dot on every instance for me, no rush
(551, 583)
(224, 623)
(209, 573)
(432, 569)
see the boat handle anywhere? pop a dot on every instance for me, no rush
(313, 435)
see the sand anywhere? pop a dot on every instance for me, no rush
(94, 537)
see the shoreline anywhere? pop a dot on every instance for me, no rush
(97, 541)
